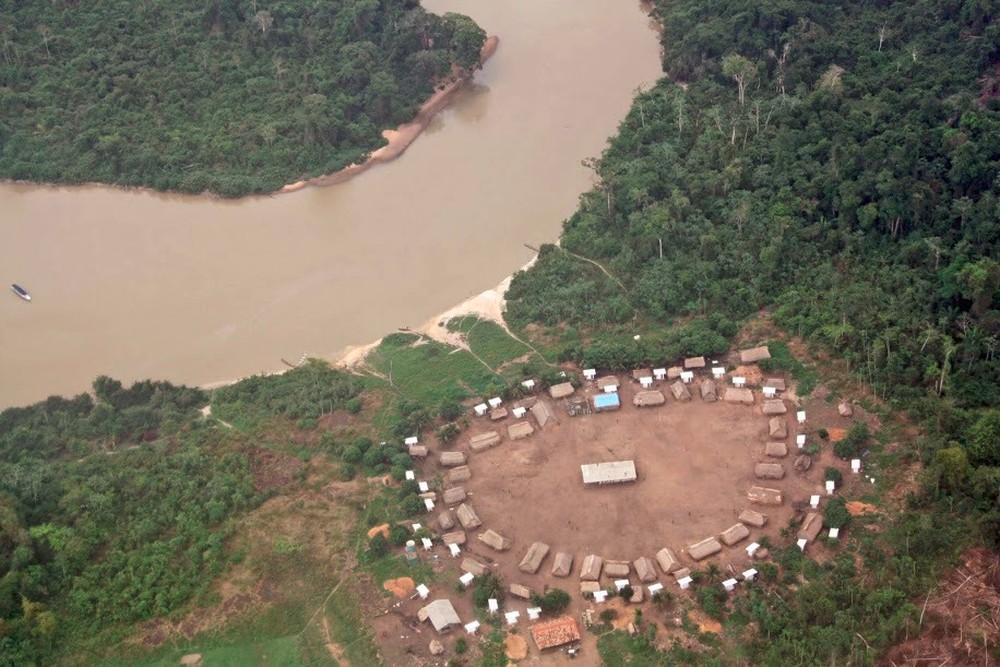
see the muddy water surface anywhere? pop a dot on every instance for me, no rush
(195, 290)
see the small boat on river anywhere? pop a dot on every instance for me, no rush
(20, 291)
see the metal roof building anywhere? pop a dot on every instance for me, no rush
(613, 472)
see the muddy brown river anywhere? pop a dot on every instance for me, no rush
(196, 290)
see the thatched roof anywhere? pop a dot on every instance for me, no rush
(561, 390)
(648, 398)
(520, 430)
(468, 517)
(562, 564)
(543, 413)
(707, 547)
(775, 406)
(764, 496)
(494, 540)
(483, 441)
(754, 354)
(591, 569)
(533, 558)
(741, 395)
(752, 518)
(454, 495)
(668, 560)
(734, 534)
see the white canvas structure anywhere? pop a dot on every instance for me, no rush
(467, 578)
(855, 466)
(610, 389)
(427, 543)
(412, 440)
(800, 440)
(534, 613)
(481, 409)
(620, 584)
(410, 474)
(528, 384)
(429, 504)
(687, 376)
(589, 373)
(684, 583)
(660, 373)
(493, 605)
(834, 533)
(802, 544)
(423, 591)
(718, 372)
(752, 548)
(729, 584)
(748, 575)
(830, 485)
(424, 488)
(739, 381)
(646, 382)
(495, 402)
(814, 501)
(801, 416)
(454, 549)
(769, 392)
(512, 617)
(472, 627)
(654, 588)
(416, 526)
(520, 412)
(600, 596)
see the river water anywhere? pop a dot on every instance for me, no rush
(197, 290)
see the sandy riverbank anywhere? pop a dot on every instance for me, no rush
(404, 135)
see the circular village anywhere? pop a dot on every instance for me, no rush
(621, 491)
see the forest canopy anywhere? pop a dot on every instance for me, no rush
(231, 96)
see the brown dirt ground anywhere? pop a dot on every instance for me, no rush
(694, 461)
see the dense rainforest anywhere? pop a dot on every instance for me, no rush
(835, 166)
(229, 96)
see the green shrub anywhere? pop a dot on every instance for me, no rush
(378, 547)
(487, 586)
(354, 405)
(608, 615)
(451, 410)
(836, 515)
(834, 475)
(412, 505)
(447, 433)
(553, 601)
(461, 645)
(398, 535)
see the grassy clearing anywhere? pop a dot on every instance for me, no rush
(782, 359)
(489, 340)
(430, 372)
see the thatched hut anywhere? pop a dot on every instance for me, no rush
(752, 518)
(561, 390)
(543, 414)
(680, 391)
(769, 471)
(709, 392)
(764, 496)
(707, 547)
(754, 355)
(694, 362)
(452, 459)
(459, 474)
(484, 441)
(591, 569)
(667, 560)
(562, 564)
(495, 540)
(776, 449)
(734, 534)
(777, 428)
(645, 569)
(468, 517)
(775, 406)
(738, 395)
(454, 495)
(648, 398)
(520, 430)
(533, 558)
